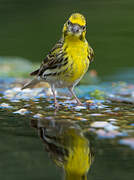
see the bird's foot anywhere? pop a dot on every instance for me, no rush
(79, 103)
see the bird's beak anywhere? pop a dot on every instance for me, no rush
(75, 28)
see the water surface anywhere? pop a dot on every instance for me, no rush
(95, 141)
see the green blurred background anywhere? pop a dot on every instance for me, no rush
(29, 29)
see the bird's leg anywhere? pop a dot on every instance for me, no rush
(73, 94)
(54, 94)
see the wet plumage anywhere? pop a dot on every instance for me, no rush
(68, 61)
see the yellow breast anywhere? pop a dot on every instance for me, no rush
(78, 62)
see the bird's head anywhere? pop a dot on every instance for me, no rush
(75, 26)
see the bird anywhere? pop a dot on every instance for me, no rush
(68, 61)
(67, 146)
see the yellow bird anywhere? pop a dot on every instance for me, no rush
(67, 146)
(68, 61)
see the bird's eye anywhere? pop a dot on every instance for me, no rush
(83, 27)
(68, 22)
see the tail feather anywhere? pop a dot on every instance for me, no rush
(30, 84)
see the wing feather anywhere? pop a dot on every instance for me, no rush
(90, 54)
(53, 59)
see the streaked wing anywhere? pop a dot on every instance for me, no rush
(90, 54)
(54, 59)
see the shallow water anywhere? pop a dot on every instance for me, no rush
(94, 141)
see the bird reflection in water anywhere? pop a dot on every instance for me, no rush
(67, 146)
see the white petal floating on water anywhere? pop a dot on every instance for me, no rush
(99, 124)
(83, 119)
(39, 107)
(81, 107)
(127, 141)
(22, 111)
(112, 120)
(11, 93)
(117, 109)
(14, 100)
(108, 134)
(102, 124)
(6, 106)
(101, 106)
(68, 101)
(26, 94)
(96, 114)
(111, 127)
(38, 116)
(78, 108)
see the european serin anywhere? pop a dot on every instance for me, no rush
(68, 61)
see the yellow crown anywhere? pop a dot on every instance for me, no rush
(78, 18)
